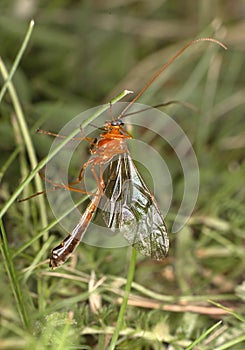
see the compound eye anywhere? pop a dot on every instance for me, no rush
(117, 122)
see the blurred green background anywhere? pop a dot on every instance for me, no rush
(81, 54)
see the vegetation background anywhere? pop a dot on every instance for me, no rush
(82, 53)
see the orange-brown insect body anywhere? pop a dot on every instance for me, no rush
(62, 252)
(111, 142)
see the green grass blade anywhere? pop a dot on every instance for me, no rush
(231, 312)
(18, 58)
(22, 126)
(14, 281)
(125, 300)
(228, 345)
(203, 336)
(9, 161)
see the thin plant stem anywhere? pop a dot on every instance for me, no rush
(125, 300)
(18, 58)
(231, 312)
(37, 259)
(22, 126)
(14, 281)
(9, 161)
(204, 335)
(229, 344)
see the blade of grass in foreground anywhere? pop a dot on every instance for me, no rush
(203, 336)
(26, 139)
(231, 312)
(125, 300)
(18, 58)
(14, 281)
(228, 345)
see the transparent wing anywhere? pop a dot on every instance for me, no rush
(129, 206)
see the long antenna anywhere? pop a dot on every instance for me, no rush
(171, 60)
